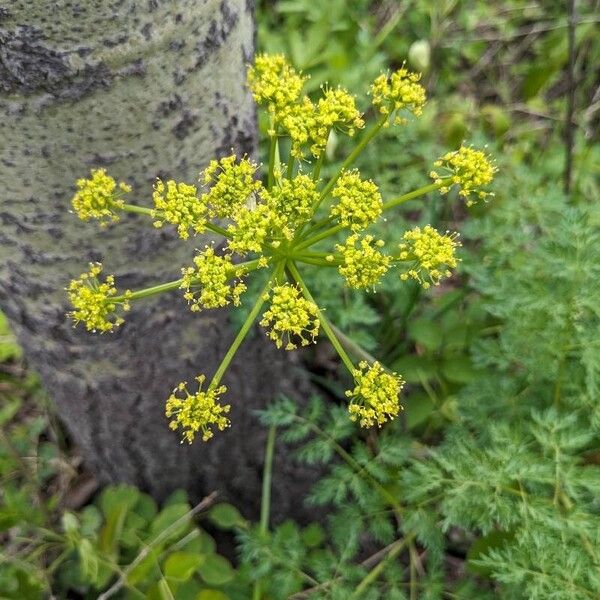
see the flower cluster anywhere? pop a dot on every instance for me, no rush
(375, 397)
(178, 204)
(429, 253)
(210, 282)
(232, 184)
(471, 169)
(94, 301)
(197, 412)
(292, 319)
(99, 197)
(274, 83)
(276, 223)
(359, 201)
(400, 91)
(363, 265)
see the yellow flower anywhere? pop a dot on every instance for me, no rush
(178, 204)
(401, 91)
(197, 412)
(292, 202)
(273, 82)
(232, 185)
(292, 318)
(359, 203)
(336, 110)
(365, 265)
(375, 397)
(298, 121)
(251, 228)
(99, 197)
(93, 301)
(431, 254)
(209, 283)
(470, 169)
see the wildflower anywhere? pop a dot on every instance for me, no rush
(292, 201)
(359, 203)
(375, 398)
(336, 110)
(208, 284)
(273, 82)
(471, 169)
(292, 318)
(197, 412)
(94, 302)
(298, 121)
(99, 197)
(232, 185)
(430, 254)
(178, 204)
(365, 265)
(251, 228)
(401, 91)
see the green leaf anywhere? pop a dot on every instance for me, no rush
(426, 333)
(313, 535)
(415, 368)
(216, 570)
(459, 369)
(212, 595)
(418, 407)
(88, 561)
(182, 565)
(225, 516)
(167, 517)
(481, 546)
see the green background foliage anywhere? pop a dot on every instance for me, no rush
(488, 485)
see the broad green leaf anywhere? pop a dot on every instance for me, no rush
(216, 570)
(182, 565)
(225, 516)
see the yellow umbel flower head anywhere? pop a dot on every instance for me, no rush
(298, 121)
(292, 201)
(251, 228)
(178, 204)
(212, 281)
(292, 319)
(375, 398)
(232, 185)
(93, 302)
(274, 83)
(360, 202)
(363, 265)
(336, 110)
(197, 412)
(99, 197)
(429, 253)
(401, 91)
(471, 169)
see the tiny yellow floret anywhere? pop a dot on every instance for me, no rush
(359, 201)
(375, 397)
(94, 301)
(213, 281)
(178, 204)
(430, 255)
(197, 412)
(400, 91)
(99, 197)
(292, 319)
(470, 169)
(364, 265)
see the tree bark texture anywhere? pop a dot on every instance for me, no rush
(145, 88)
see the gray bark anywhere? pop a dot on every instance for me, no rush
(145, 89)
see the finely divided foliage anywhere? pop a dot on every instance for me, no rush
(281, 224)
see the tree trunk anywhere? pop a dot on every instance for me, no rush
(145, 89)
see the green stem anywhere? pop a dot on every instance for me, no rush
(318, 165)
(353, 347)
(324, 322)
(354, 154)
(290, 167)
(239, 338)
(265, 503)
(374, 573)
(416, 194)
(321, 236)
(169, 286)
(143, 210)
(272, 148)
